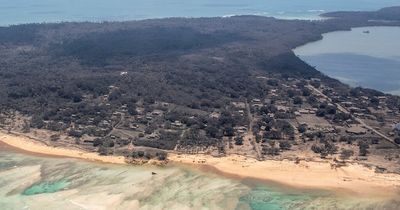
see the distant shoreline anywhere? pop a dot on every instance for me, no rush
(355, 179)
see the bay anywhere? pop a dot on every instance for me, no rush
(366, 56)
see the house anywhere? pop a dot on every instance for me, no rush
(304, 111)
(355, 109)
(365, 98)
(258, 105)
(282, 108)
(177, 124)
(88, 141)
(239, 105)
(382, 98)
(157, 113)
(117, 113)
(397, 127)
(347, 103)
(215, 115)
(104, 123)
(362, 115)
(153, 136)
(240, 129)
(134, 126)
(356, 130)
(139, 110)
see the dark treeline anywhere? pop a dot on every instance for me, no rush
(390, 13)
(97, 48)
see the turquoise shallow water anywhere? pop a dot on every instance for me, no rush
(29, 182)
(357, 58)
(27, 11)
(46, 187)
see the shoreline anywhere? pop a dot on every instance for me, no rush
(353, 179)
(26, 144)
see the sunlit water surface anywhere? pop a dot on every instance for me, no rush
(31, 182)
(28, 11)
(367, 57)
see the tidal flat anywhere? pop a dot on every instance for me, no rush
(37, 182)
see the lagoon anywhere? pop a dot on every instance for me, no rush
(367, 57)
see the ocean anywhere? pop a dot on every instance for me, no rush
(369, 60)
(367, 57)
(36, 183)
(38, 11)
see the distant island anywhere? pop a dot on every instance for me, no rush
(223, 92)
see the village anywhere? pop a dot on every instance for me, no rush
(296, 118)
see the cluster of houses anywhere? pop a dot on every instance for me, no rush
(358, 107)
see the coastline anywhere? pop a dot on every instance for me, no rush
(354, 179)
(24, 143)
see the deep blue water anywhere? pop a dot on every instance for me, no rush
(28, 11)
(360, 70)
